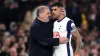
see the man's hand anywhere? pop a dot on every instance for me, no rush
(63, 40)
(76, 54)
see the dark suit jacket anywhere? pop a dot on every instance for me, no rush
(41, 41)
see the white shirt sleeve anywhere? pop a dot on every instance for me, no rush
(73, 27)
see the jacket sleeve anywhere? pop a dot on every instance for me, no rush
(36, 34)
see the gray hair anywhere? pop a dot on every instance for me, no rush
(40, 9)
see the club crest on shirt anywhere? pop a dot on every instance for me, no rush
(56, 35)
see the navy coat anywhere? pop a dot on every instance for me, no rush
(41, 38)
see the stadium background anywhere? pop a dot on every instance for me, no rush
(16, 16)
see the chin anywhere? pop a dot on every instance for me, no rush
(47, 20)
(53, 17)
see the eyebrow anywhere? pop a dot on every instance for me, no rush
(54, 9)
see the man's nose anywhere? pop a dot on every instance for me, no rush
(52, 12)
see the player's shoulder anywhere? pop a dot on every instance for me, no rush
(68, 19)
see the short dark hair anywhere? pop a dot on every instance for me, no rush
(58, 4)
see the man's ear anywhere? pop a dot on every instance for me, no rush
(63, 11)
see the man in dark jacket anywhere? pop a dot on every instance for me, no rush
(41, 35)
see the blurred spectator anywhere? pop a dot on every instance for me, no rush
(85, 51)
(5, 47)
(99, 51)
(13, 49)
(13, 28)
(21, 47)
(2, 31)
(94, 48)
(20, 32)
(27, 21)
(92, 16)
(12, 38)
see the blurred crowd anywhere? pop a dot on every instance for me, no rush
(16, 16)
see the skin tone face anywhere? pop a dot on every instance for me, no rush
(45, 15)
(56, 11)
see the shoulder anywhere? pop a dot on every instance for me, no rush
(34, 25)
(68, 19)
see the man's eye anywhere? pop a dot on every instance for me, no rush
(55, 9)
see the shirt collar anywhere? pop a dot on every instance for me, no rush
(61, 19)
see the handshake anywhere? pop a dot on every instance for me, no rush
(63, 40)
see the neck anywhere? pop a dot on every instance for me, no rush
(61, 17)
(41, 19)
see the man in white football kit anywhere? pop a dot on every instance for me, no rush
(64, 27)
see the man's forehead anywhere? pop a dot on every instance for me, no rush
(47, 9)
(54, 7)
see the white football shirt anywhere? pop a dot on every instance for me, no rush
(63, 28)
